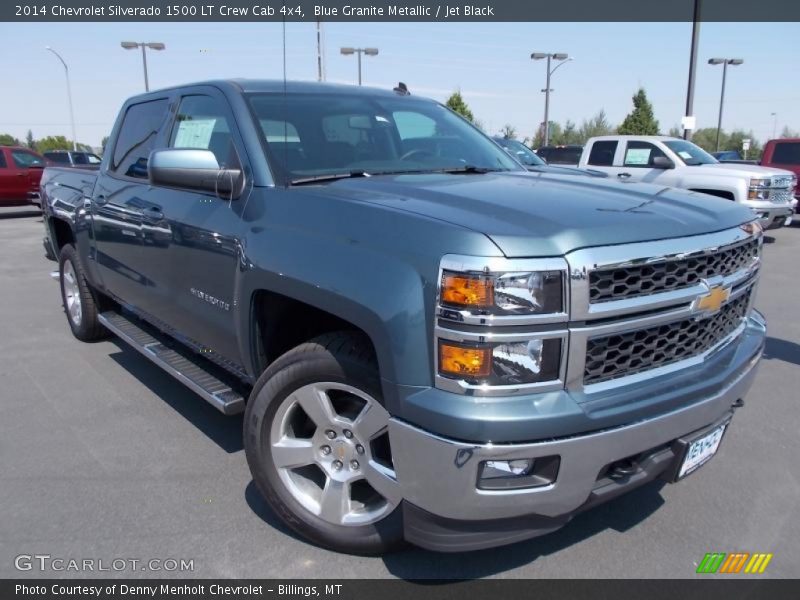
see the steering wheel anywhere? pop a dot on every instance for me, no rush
(416, 152)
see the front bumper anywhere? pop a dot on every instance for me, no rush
(771, 215)
(445, 510)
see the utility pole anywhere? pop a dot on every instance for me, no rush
(689, 115)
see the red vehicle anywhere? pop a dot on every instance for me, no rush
(783, 153)
(20, 172)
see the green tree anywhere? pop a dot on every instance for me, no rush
(597, 125)
(675, 131)
(734, 142)
(706, 138)
(103, 144)
(54, 142)
(456, 103)
(640, 121)
(7, 139)
(568, 135)
(29, 141)
(789, 133)
(509, 132)
(556, 133)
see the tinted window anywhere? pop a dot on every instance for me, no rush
(24, 160)
(568, 155)
(202, 123)
(332, 134)
(787, 153)
(521, 152)
(62, 158)
(641, 154)
(137, 137)
(602, 154)
(3, 164)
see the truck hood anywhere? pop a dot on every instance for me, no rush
(529, 214)
(738, 170)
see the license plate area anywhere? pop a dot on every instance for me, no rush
(696, 449)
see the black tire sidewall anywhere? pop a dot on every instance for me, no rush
(287, 375)
(88, 326)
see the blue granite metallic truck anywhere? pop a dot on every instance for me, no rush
(429, 343)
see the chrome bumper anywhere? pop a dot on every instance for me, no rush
(770, 214)
(440, 475)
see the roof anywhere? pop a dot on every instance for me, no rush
(635, 137)
(295, 87)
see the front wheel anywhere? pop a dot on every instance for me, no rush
(316, 439)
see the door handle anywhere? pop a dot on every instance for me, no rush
(623, 175)
(152, 213)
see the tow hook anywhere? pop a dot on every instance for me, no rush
(737, 404)
(622, 469)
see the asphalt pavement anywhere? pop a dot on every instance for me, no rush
(105, 457)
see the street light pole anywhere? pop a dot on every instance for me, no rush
(774, 124)
(347, 51)
(144, 46)
(560, 56)
(724, 62)
(69, 98)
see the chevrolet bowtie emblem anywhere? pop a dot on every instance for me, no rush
(713, 300)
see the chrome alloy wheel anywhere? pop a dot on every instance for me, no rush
(330, 445)
(72, 293)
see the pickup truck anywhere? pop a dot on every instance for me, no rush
(73, 158)
(533, 162)
(674, 162)
(429, 343)
(20, 172)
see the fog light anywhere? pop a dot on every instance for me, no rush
(518, 473)
(494, 469)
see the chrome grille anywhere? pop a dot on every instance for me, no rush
(622, 354)
(781, 196)
(645, 279)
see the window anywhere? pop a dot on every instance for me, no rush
(201, 123)
(137, 137)
(3, 164)
(641, 154)
(26, 160)
(61, 158)
(332, 134)
(602, 153)
(786, 153)
(690, 154)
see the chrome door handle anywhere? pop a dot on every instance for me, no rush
(623, 175)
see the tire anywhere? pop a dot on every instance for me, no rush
(80, 304)
(316, 406)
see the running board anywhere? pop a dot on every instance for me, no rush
(184, 367)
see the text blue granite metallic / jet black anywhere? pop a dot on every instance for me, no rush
(430, 343)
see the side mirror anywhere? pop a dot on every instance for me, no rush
(194, 169)
(662, 162)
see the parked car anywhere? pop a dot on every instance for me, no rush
(783, 153)
(429, 344)
(533, 162)
(724, 155)
(20, 172)
(73, 158)
(767, 192)
(561, 155)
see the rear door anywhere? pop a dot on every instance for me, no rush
(9, 181)
(191, 239)
(122, 194)
(28, 167)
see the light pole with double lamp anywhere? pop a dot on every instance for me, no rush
(143, 46)
(724, 62)
(563, 58)
(69, 98)
(347, 51)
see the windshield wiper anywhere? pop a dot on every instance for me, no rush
(470, 169)
(329, 177)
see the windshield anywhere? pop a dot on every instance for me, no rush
(313, 135)
(521, 152)
(690, 154)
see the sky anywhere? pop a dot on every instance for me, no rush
(488, 62)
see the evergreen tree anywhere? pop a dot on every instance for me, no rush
(29, 141)
(456, 103)
(640, 121)
(8, 140)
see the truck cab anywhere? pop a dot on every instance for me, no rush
(20, 172)
(674, 162)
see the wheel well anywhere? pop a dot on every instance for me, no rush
(717, 193)
(283, 323)
(62, 232)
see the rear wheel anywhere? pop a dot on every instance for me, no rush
(80, 305)
(316, 439)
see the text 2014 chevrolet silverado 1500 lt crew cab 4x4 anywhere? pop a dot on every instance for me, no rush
(429, 342)
(662, 160)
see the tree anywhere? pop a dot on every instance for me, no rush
(789, 133)
(597, 125)
(54, 142)
(640, 121)
(555, 134)
(7, 139)
(103, 144)
(29, 141)
(509, 132)
(568, 135)
(734, 142)
(456, 103)
(675, 131)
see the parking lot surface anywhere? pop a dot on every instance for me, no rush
(105, 456)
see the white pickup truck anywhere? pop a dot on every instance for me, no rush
(674, 162)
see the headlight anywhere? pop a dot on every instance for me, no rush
(538, 292)
(759, 189)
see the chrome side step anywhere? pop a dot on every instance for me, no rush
(184, 367)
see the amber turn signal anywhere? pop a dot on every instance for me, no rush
(465, 290)
(464, 361)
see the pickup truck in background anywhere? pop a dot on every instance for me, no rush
(20, 172)
(534, 163)
(783, 153)
(429, 343)
(668, 161)
(569, 155)
(72, 158)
